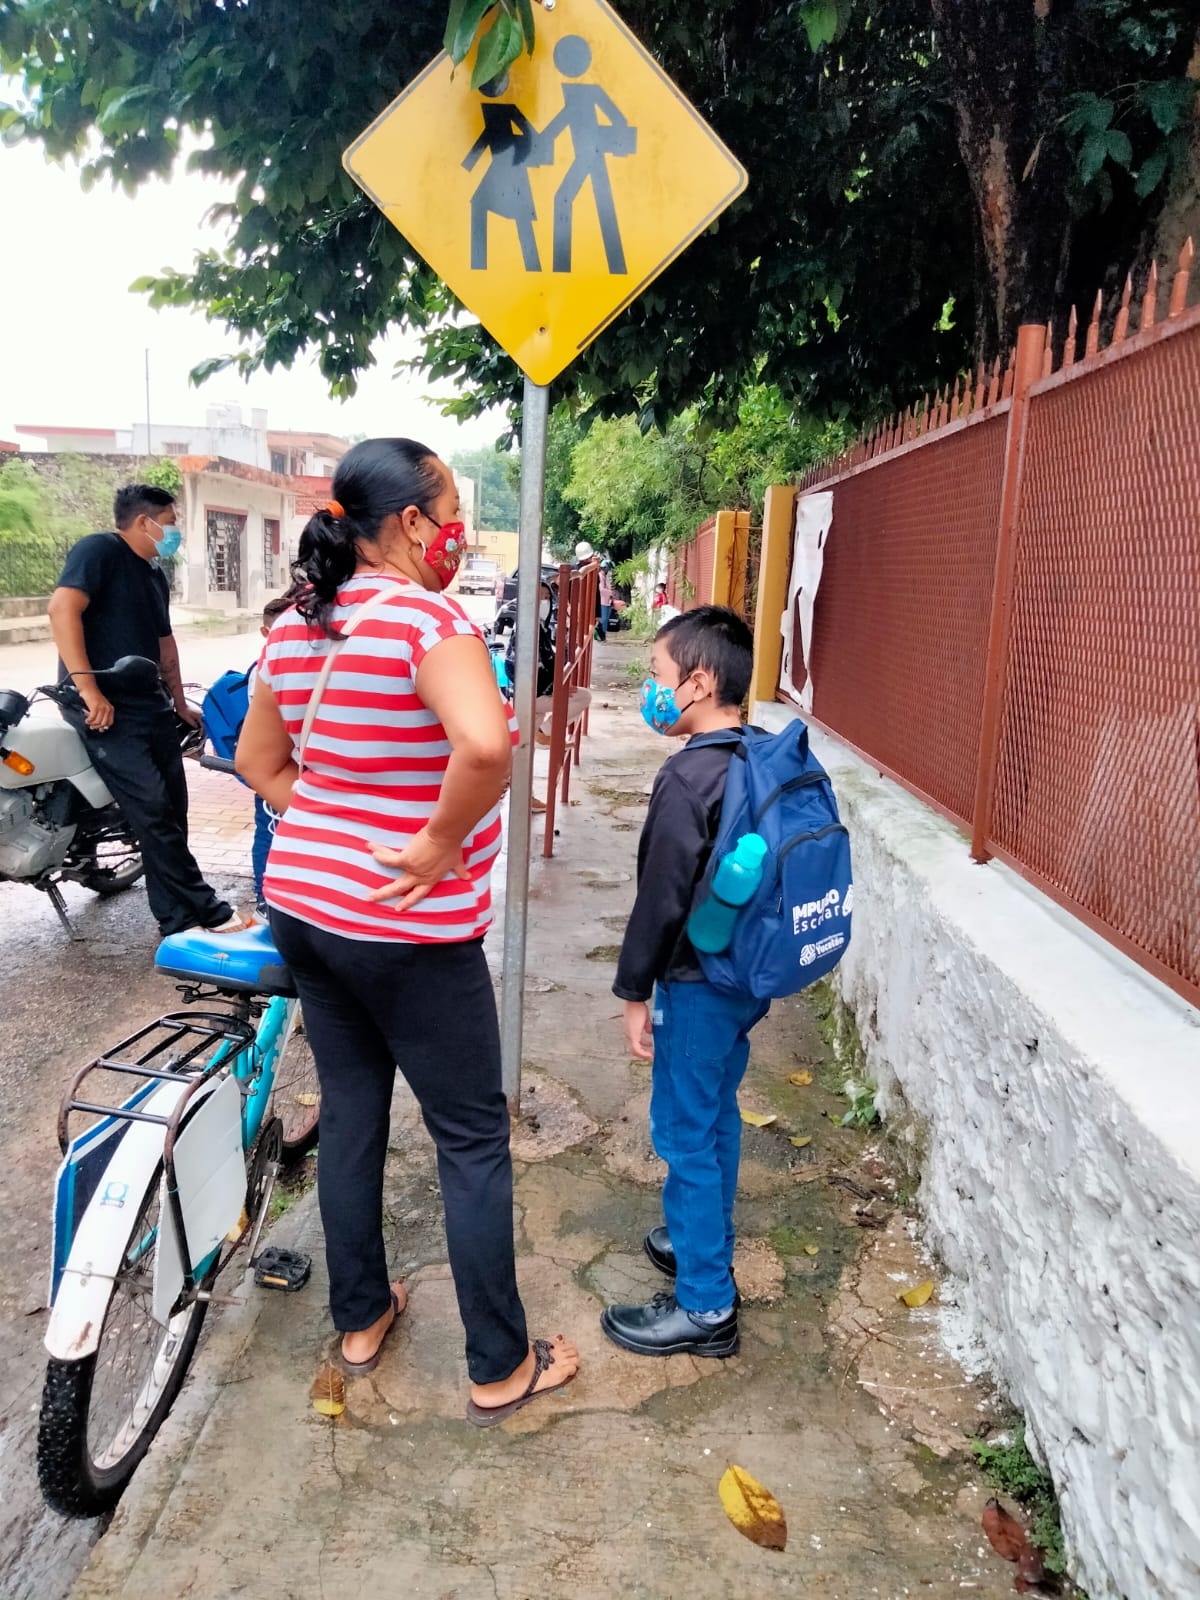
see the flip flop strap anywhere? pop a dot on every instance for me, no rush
(543, 1360)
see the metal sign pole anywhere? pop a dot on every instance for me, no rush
(534, 417)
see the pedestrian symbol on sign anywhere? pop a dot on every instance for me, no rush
(550, 198)
(597, 129)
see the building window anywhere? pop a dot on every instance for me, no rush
(225, 533)
(279, 462)
(270, 549)
(174, 447)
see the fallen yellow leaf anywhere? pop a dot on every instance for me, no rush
(753, 1510)
(811, 1249)
(328, 1392)
(917, 1295)
(759, 1119)
(800, 1140)
(800, 1079)
(308, 1099)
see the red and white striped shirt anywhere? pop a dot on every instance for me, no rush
(373, 770)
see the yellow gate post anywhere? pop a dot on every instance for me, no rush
(773, 571)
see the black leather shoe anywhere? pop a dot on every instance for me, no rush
(657, 1245)
(664, 1328)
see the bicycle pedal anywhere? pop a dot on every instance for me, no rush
(275, 1268)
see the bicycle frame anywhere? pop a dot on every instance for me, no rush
(114, 1160)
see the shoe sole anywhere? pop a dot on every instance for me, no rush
(686, 1347)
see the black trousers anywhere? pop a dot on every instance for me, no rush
(370, 1005)
(140, 760)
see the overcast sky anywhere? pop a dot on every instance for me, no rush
(73, 339)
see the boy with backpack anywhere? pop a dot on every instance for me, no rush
(225, 708)
(726, 782)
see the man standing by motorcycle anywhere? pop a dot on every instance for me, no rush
(112, 600)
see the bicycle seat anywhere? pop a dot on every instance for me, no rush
(241, 963)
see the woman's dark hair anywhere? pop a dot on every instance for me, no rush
(373, 480)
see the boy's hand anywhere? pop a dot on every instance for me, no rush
(638, 1033)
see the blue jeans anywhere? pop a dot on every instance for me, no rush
(264, 831)
(701, 1049)
(605, 619)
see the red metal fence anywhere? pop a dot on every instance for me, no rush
(690, 568)
(1008, 621)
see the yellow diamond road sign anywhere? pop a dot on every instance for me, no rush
(550, 201)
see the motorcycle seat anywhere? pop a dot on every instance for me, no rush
(238, 963)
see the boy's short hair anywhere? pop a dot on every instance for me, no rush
(276, 608)
(717, 639)
(135, 500)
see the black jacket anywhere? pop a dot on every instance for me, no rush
(677, 840)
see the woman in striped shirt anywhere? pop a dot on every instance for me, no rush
(378, 888)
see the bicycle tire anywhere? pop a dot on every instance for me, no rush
(71, 1479)
(295, 1074)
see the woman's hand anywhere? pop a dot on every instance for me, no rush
(423, 862)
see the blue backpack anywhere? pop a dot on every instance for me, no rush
(224, 710)
(796, 927)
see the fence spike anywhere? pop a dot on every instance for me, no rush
(1150, 299)
(1092, 343)
(955, 402)
(1121, 325)
(994, 385)
(1071, 353)
(979, 398)
(1179, 285)
(1048, 351)
(1006, 387)
(910, 423)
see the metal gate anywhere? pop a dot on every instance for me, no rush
(226, 531)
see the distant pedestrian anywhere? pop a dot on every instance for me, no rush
(608, 596)
(111, 600)
(379, 887)
(660, 597)
(700, 668)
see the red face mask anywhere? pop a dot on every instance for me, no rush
(443, 555)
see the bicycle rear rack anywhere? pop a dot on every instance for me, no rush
(164, 1050)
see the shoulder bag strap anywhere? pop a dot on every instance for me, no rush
(375, 603)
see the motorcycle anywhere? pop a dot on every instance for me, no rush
(58, 821)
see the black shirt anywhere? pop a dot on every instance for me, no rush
(128, 611)
(545, 659)
(677, 839)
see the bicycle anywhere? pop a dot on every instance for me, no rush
(222, 1098)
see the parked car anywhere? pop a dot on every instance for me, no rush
(478, 576)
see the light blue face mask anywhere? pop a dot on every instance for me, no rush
(172, 538)
(659, 708)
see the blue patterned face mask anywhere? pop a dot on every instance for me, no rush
(659, 709)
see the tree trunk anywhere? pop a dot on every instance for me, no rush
(1006, 69)
(1179, 219)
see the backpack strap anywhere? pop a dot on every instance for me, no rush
(375, 603)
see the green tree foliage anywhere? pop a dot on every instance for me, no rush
(631, 489)
(923, 176)
(490, 472)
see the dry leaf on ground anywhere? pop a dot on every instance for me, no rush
(328, 1392)
(800, 1079)
(753, 1510)
(1009, 1539)
(800, 1140)
(917, 1295)
(759, 1119)
(812, 1249)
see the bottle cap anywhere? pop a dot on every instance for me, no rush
(752, 848)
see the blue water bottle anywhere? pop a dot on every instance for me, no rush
(738, 875)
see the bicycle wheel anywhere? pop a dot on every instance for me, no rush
(296, 1093)
(100, 1413)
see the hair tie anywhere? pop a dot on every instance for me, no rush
(335, 508)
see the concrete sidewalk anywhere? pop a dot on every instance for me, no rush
(845, 1404)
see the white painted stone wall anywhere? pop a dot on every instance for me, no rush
(1058, 1093)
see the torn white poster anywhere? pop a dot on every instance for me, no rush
(814, 515)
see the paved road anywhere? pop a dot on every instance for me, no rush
(61, 1002)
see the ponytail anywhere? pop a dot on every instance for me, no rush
(373, 480)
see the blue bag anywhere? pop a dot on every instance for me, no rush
(796, 927)
(224, 710)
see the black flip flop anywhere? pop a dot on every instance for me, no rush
(543, 1360)
(357, 1369)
